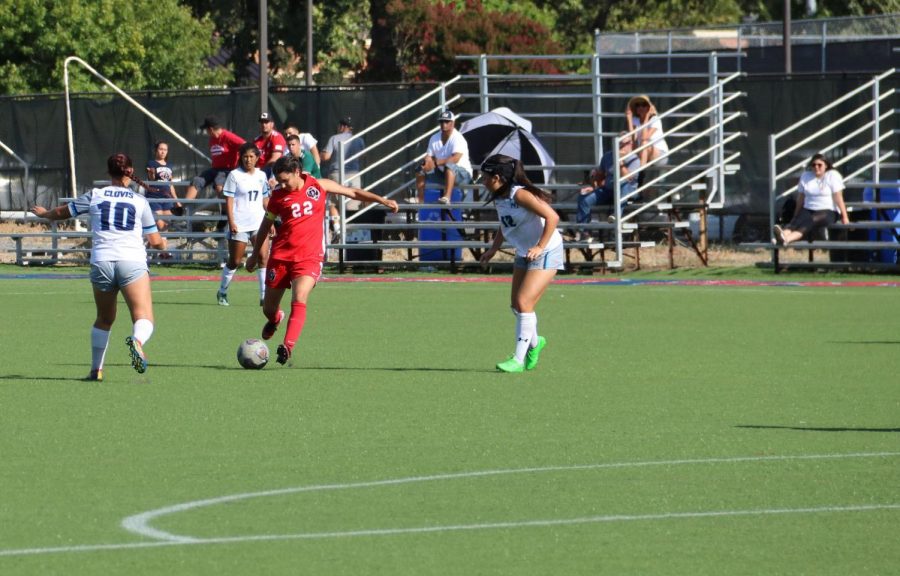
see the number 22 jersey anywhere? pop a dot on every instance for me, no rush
(301, 235)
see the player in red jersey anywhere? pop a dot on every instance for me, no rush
(298, 250)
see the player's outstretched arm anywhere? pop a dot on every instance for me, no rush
(357, 194)
(58, 213)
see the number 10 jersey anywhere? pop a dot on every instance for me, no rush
(119, 220)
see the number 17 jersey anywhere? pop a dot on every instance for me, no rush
(301, 235)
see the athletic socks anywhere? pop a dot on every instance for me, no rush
(227, 275)
(99, 343)
(142, 330)
(295, 324)
(533, 340)
(261, 276)
(526, 325)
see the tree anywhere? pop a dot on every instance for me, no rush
(138, 44)
(429, 34)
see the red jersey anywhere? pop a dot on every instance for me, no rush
(225, 150)
(301, 235)
(274, 143)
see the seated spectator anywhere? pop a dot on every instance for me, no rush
(309, 145)
(223, 149)
(641, 113)
(820, 201)
(446, 161)
(602, 186)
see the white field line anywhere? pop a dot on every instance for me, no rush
(450, 528)
(140, 523)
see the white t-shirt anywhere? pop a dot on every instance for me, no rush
(818, 193)
(658, 137)
(307, 142)
(521, 227)
(248, 191)
(455, 143)
(119, 220)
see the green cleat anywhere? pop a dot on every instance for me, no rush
(222, 298)
(511, 365)
(531, 358)
(138, 360)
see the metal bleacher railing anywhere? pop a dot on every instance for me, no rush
(866, 155)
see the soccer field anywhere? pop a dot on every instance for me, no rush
(670, 428)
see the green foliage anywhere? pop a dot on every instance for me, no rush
(428, 35)
(141, 44)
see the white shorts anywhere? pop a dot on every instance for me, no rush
(554, 259)
(114, 274)
(245, 237)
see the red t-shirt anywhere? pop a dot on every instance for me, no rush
(225, 150)
(301, 235)
(274, 143)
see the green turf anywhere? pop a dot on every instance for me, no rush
(667, 430)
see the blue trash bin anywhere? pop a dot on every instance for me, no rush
(890, 215)
(446, 234)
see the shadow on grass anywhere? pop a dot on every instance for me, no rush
(867, 342)
(816, 429)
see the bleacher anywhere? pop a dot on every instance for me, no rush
(866, 154)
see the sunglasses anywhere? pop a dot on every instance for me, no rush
(822, 164)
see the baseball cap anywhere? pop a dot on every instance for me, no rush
(446, 115)
(266, 117)
(346, 121)
(210, 122)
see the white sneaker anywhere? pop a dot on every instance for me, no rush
(443, 200)
(779, 234)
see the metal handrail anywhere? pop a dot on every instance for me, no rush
(24, 164)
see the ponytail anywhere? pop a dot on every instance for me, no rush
(119, 165)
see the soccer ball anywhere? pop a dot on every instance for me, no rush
(253, 354)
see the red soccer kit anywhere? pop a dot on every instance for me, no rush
(225, 150)
(299, 246)
(274, 143)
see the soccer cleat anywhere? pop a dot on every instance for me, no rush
(95, 376)
(531, 358)
(222, 298)
(284, 354)
(138, 360)
(271, 327)
(511, 365)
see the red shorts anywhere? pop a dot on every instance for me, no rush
(280, 273)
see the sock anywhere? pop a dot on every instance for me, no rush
(261, 275)
(525, 327)
(295, 324)
(534, 334)
(227, 275)
(142, 330)
(99, 343)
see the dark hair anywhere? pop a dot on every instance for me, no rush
(119, 165)
(286, 164)
(248, 147)
(510, 171)
(290, 137)
(819, 156)
(159, 143)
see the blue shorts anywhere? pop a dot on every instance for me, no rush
(113, 274)
(554, 259)
(159, 200)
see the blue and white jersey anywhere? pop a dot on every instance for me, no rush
(163, 174)
(119, 220)
(521, 227)
(248, 191)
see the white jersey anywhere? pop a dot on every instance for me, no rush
(248, 191)
(521, 227)
(818, 194)
(307, 141)
(455, 143)
(119, 220)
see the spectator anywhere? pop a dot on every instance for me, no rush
(821, 201)
(529, 223)
(295, 150)
(641, 113)
(332, 153)
(298, 250)
(602, 186)
(161, 196)
(270, 143)
(118, 258)
(446, 161)
(223, 148)
(246, 193)
(309, 145)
